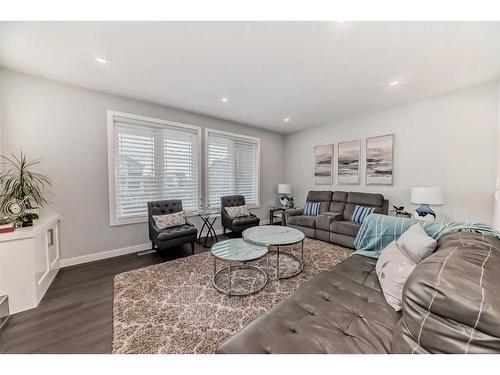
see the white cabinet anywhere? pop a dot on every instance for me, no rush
(29, 261)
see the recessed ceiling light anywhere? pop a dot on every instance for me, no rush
(224, 99)
(101, 60)
(394, 83)
(286, 119)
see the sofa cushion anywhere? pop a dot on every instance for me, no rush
(245, 220)
(311, 208)
(417, 244)
(393, 268)
(361, 213)
(324, 197)
(339, 311)
(319, 196)
(348, 228)
(362, 199)
(366, 199)
(339, 199)
(303, 220)
(176, 232)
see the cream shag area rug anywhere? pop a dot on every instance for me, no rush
(173, 307)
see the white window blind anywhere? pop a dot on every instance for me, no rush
(153, 161)
(232, 167)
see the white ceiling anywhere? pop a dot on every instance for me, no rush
(311, 72)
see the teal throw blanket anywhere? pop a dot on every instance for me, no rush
(378, 231)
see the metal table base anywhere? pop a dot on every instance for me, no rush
(234, 266)
(287, 253)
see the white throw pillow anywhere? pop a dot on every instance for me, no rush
(170, 220)
(393, 268)
(239, 211)
(417, 244)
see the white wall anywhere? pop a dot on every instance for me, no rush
(448, 141)
(496, 222)
(66, 126)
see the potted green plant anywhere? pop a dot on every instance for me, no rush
(19, 181)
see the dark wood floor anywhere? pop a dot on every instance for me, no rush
(76, 314)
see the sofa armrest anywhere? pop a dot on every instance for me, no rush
(290, 212)
(293, 212)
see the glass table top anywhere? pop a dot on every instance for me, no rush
(269, 235)
(238, 250)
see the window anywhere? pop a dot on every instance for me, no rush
(232, 167)
(150, 159)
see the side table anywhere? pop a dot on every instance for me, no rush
(272, 213)
(209, 220)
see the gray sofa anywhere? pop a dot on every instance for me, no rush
(344, 310)
(333, 224)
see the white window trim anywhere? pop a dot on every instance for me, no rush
(113, 221)
(236, 135)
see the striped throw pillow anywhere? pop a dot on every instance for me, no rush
(360, 213)
(311, 209)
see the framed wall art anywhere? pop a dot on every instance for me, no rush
(323, 164)
(380, 160)
(348, 160)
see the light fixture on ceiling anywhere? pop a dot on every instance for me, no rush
(286, 119)
(224, 99)
(394, 83)
(101, 60)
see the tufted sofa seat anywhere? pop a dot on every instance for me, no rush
(339, 311)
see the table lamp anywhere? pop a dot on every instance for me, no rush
(284, 190)
(425, 196)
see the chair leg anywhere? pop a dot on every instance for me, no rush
(192, 248)
(223, 230)
(152, 245)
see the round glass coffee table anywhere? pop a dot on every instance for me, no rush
(278, 236)
(238, 278)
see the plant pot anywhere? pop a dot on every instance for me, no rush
(27, 223)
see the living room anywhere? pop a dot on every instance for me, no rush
(243, 187)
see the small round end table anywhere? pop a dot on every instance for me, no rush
(278, 236)
(236, 252)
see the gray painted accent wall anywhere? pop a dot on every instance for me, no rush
(448, 141)
(66, 126)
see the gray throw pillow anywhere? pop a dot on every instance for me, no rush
(393, 268)
(416, 243)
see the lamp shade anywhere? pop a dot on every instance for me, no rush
(427, 195)
(284, 189)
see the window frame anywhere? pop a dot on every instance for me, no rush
(113, 220)
(205, 164)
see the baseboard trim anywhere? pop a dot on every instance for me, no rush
(117, 252)
(104, 255)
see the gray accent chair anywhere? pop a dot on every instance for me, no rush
(237, 224)
(333, 224)
(167, 238)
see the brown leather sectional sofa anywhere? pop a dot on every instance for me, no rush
(334, 224)
(451, 304)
